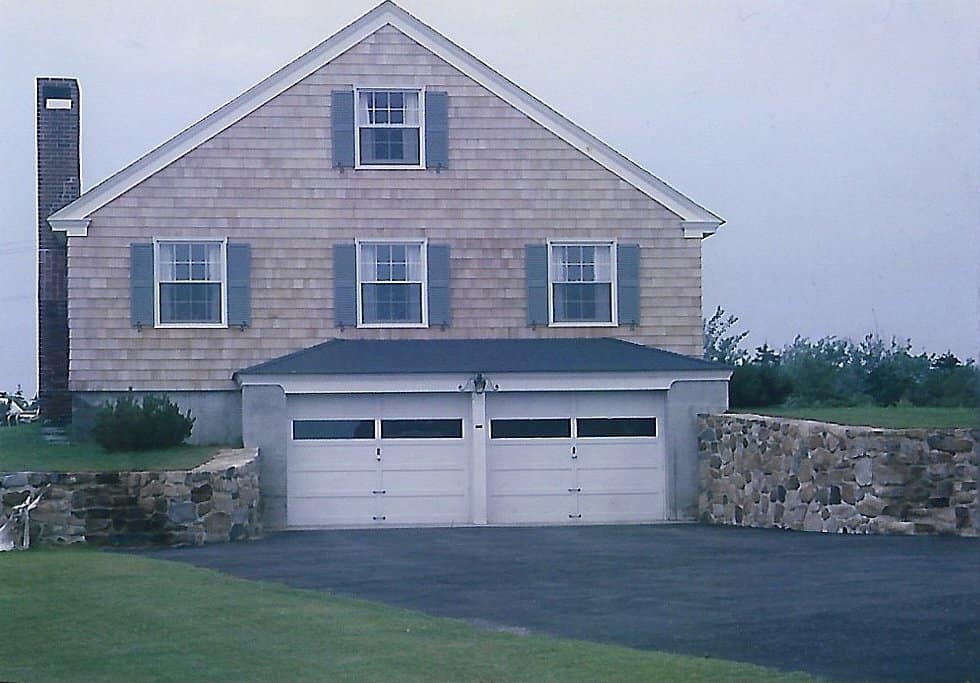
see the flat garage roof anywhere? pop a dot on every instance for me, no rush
(362, 356)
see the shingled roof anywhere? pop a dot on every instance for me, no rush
(414, 356)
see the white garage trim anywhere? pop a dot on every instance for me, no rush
(499, 382)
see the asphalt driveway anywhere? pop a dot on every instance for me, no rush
(847, 607)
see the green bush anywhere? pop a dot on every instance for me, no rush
(128, 425)
(757, 386)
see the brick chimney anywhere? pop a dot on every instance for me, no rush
(58, 184)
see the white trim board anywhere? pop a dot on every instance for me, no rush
(497, 382)
(73, 218)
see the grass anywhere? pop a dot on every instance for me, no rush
(895, 417)
(82, 615)
(23, 449)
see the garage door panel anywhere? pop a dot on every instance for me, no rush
(414, 457)
(537, 509)
(529, 455)
(525, 482)
(620, 507)
(340, 483)
(333, 458)
(426, 508)
(341, 510)
(424, 482)
(626, 480)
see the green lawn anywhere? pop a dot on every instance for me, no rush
(82, 615)
(23, 449)
(875, 416)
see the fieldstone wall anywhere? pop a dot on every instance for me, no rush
(213, 503)
(762, 471)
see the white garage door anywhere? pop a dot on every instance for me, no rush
(575, 458)
(378, 460)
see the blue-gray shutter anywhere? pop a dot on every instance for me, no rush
(141, 284)
(439, 294)
(536, 274)
(628, 283)
(344, 285)
(436, 129)
(239, 285)
(342, 124)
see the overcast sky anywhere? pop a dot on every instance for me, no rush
(839, 139)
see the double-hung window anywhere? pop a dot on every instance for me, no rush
(582, 278)
(190, 282)
(389, 129)
(391, 284)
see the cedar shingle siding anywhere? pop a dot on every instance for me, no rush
(268, 181)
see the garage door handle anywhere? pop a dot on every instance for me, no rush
(379, 517)
(574, 490)
(379, 491)
(575, 516)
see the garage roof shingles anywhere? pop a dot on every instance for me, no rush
(416, 356)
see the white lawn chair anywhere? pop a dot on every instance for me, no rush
(19, 515)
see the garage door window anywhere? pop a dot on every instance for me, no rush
(421, 429)
(544, 428)
(333, 429)
(616, 426)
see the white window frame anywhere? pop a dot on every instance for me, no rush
(613, 293)
(223, 242)
(423, 245)
(358, 124)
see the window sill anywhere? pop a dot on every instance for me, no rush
(383, 326)
(584, 324)
(190, 326)
(388, 167)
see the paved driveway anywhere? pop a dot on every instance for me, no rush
(847, 607)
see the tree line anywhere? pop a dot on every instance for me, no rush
(836, 372)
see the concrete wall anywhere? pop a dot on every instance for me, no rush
(213, 503)
(813, 476)
(217, 413)
(267, 180)
(685, 400)
(265, 425)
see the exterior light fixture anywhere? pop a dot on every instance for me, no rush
(479, 383)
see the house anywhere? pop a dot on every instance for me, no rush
(426, 296)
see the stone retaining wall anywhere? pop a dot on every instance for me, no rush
(796, 474)
(213, 503)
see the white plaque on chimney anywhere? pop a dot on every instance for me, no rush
(52, 103)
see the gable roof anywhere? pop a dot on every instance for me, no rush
(417, 356)
(74, 218)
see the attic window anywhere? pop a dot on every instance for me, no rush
(56, 97)
(389, 129)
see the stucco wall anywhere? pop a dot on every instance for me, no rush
(796, 474)
(685, 400)
(213, 503)
(217, 414)
(267, 180)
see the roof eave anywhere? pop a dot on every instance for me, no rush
(72, 227)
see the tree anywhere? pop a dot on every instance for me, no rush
(721, 343)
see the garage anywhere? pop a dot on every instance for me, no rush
(388, 433)
(578, 457)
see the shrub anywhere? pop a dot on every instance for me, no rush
(757, 386)
(128, 425)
